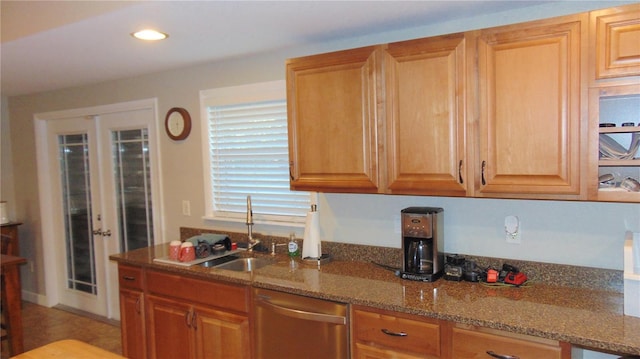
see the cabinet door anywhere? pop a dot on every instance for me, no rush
(169, 328)
(425, 99)
(529, 88)
(333, 133)
(221, 335)
(132, 324)
(615, 41)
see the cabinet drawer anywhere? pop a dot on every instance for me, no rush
(473, 342)
(397, 331)
(224, 296)
(130, 277)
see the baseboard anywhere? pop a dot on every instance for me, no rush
(35, 298)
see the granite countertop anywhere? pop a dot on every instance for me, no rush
(584, 317)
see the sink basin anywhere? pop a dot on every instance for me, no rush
(245, 264)
(218, 261)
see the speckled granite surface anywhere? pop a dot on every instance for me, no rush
(562, 275)
(585, 317)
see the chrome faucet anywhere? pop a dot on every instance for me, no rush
(250, 241)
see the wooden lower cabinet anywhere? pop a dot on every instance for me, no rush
(169, 328)
(476, 342)
(132, 318)
(179, 330)
(132, 324)
(165, 315)
(383, 334)
(192, 318)
(221, 335)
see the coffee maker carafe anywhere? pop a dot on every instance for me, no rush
(422, 243)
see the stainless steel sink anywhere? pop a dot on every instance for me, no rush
(245, 264)
(218, 261)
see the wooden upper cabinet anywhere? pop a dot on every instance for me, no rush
(333, 134)
(425, 116)
(530, 98)
(615, 42)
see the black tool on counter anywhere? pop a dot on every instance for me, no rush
(453, 268)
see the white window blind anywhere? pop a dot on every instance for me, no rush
(248, 155)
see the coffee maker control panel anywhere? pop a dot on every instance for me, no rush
(417, 226)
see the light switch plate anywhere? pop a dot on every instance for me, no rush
(186, 208)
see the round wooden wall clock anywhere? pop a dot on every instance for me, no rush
(177, 123)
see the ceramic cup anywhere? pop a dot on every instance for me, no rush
(187, 252)
(174, 250)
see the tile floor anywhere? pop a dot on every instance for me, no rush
(44, 325)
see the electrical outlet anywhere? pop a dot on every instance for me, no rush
(512, 229)
(32, 267)
(186, 208)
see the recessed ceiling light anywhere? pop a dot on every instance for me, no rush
(149, 35)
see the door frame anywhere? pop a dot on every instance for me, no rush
(54, 267)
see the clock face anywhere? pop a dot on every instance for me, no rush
(178, 123)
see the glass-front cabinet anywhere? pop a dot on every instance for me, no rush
(615, 153)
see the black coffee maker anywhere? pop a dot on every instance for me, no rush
(422, 243)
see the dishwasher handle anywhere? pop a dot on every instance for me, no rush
(301, 314)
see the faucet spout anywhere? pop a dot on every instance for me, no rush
(250, 241)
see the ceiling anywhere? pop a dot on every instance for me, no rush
(49, 45)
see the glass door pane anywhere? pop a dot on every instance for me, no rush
(76, 193)
(133, 186)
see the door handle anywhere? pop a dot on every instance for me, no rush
(187, 318)
(99, 232)
(484, 165)
(301, 314)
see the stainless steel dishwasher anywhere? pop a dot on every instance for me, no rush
(293, 326)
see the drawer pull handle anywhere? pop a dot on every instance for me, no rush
(394, 334)
(501, 356)
(128, 278)
(460, 173)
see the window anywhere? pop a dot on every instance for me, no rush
(247, 154)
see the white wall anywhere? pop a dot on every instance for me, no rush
(577, 233)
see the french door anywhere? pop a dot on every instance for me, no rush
(102, 187)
